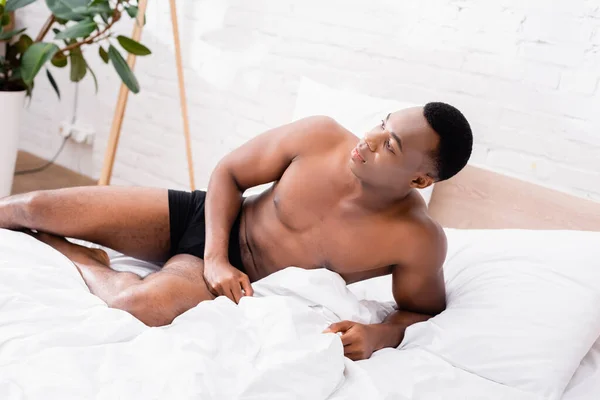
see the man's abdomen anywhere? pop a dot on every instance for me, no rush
(270, 245)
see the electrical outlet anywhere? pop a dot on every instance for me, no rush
(79, 133)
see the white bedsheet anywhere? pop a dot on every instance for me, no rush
(59, 341)
(393, 374)
(585, 384)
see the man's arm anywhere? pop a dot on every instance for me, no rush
(262, 160)
(419, 291)
(418, 297)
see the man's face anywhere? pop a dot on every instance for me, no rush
(397, 152)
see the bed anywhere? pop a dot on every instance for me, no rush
(519, 324)
(522, 322)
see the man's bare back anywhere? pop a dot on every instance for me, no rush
(337, 202)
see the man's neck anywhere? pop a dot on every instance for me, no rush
(377, 199)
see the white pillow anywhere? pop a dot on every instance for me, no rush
(523, 306)
(357, 112)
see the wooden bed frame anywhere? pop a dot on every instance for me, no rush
(480, 199)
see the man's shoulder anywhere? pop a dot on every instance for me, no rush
(319, 121)
(423, 236)
(424, 229)
(322, 128)
(317, 135)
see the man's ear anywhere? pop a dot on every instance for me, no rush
(422, 181)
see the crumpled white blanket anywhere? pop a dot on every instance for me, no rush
(59, 341)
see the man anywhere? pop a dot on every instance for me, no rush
(338, 202)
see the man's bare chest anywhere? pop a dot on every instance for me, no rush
(325, 233)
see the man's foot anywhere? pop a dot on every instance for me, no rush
(76, 253)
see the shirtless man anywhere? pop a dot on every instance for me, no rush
(338, 202)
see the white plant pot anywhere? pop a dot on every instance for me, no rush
(11, 109)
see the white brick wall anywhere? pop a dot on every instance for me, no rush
(524, 72)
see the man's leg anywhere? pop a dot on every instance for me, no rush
(130, 220)
(156, 299)
(160, 297)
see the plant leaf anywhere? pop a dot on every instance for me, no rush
(4, 20)
(67, 9)
(132, 46)
(59, 60)
(23, 43)
(123, 69)
(12, 5)
(99, 9)
(56, 32)
(101, 3)
(105, 5)
(78, 65)
(34, 58)
(53, 82)
(29, 89)
(9, 35)
(103, 54)
(93, 76)
(132, 11)
(79, 30)
(95, 7)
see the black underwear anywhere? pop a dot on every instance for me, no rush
(188, 227)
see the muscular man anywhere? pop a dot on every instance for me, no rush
(337, 202)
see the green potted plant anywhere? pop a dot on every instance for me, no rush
(75, 26)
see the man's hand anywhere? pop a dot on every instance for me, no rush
(359, 340)
(223, 279)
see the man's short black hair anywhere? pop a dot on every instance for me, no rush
(456, 138)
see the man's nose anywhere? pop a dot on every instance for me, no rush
(374, 139)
